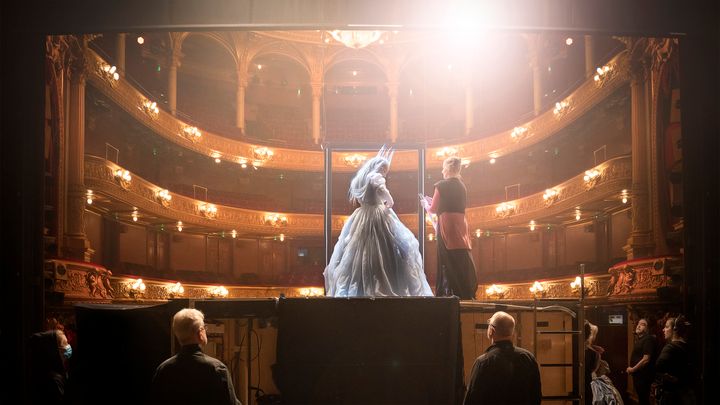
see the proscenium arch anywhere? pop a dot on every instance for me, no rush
(329, 148)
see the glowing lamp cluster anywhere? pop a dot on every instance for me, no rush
(505, 209)
(495, 291)
(575, 284)
(601, 74)
(431, 236)
(151, 108)
(176, 289)
(624, 196)
(356, 39)
(233, 233)
(123, 177)
(135, 215)
(179, 226)
(532, 226)
(591, 177)
(276, 220)
(209, 210)
(561, 107)
(537, 288)
(354, 160)
(89, 197)
(446, 152)
(550, 195)
(192, 133)
(164, 197)
(110, 73)
(136, 288)
(518, 133)
(263, 154)
(219, 291)
(311, 292)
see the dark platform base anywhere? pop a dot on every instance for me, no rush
(368, 351)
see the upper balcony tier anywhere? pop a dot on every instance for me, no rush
(192, 137)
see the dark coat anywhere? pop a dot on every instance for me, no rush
(192, 377)
(505, 374)
(47, 370)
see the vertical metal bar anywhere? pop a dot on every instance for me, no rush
(535, 331)
(581, 340)
(328, 203)
(249, 359)
(421, 210)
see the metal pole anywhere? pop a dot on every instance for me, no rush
(581, 342)
(328, 203)
(421, 210)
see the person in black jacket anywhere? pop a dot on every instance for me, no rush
(48, 352)
(505, 374)
(642, 361)
(192, 377)
(674, 371)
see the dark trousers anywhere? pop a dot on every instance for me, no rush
(642, 388)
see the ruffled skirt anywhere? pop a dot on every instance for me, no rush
(377, 256)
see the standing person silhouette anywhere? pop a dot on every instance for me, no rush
(456, 270)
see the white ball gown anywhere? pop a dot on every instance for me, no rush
(376, 255)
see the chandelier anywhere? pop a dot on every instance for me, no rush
(356, 39)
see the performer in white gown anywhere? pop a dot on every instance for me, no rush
(376, 255)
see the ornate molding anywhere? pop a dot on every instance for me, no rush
(100, 177)
(641, 277)
(595, 287)
(616, 174)
(91, 282)
(542, 127)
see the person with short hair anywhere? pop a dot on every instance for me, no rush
(505, 373)
(642, 361)
(192, 377)
(456, 269)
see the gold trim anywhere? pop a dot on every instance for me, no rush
(586, 96)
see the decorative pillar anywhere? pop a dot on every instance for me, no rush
(537, 76)
(393, 94)
(120, 54)
(240, 100)
(172, 82)
(317, 88)
(641, 241)
(469, 107)
(76, 245)
(589, 56)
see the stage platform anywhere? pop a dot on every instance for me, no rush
(312, 350)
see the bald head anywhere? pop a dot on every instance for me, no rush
(501, 326)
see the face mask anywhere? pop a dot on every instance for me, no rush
(67, 352)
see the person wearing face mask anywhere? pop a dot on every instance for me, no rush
(642, 361)
(49, 351)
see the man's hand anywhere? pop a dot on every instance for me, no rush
(629, 370)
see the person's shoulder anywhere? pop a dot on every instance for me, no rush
(524, 352)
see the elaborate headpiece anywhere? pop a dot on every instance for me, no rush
(359, 183)
(386, 153)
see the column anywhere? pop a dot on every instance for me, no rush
(589, 56)
(240, 100)
(469, 107)
(120, 53)
(393, 94)
(537, 77)
(641, 241)
(76, 244)
(317, 88)
(172, 83)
